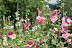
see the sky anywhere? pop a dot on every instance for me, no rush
(52, 1)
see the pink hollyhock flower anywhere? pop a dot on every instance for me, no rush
(30, 43)
(24, 25)
(69, 41)
(65, 36)
(25, 28)
(9, 46)
(25, 45)
(38, 11)
(12, 45)
(36, 46)
(55, 30)
(53, 16)
(10, 34)
(71, 21)
(38, 39)
(29, 23)
(4, 35)
(56, 35)
(66, 20)
(64, 28)
(39, 19)
(64, 47)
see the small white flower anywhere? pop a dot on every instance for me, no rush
(28, 19)
(19, 31)
(34, 28)
(13, 37)
(19, 42)
(17, 18)
(22, 20)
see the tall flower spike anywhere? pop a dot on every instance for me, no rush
(38, 11)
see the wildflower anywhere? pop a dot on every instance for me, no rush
(17, 18)
(55, 30)
(66, 20)
(25, 45)
(4, 35)
(29, 23)
(36, 46)
(69, 41)
(64, 47)
(53, 16)
(12, 45)
(10, 34)
(19, 42)
(64, 28)
(22, 20)
(14, 36)
(65, 36)
(39, 19)
(38, 39)
(30, 43)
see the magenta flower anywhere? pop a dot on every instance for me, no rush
(39, 19)
(9, 46)
(38, 39)
(69, 41)
(24, 25)
(10, 34)
(65, 36)
(30, 43)
(36, 46)
(55, 30)
(29, 23)
(66, 20)
(53, 16)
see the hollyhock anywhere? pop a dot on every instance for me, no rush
(39, 19)
(53, 16)
(10, 34)
(30, 43)
(9, 46)
(38, 39)
(24, 25)
(56, 35)
(38, 11)
(36, 46)
(71, 21)
(12, 45)
(64, 28)
(55, 30)
(64, 47)
(65, 36)
(25, 45)
(69, 41)
(66, 20)
(29, 23)
(4, 35)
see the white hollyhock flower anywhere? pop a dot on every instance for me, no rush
(13, 37)
(19, 42)
(17, 18)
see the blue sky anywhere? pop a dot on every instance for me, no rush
(52, 1)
